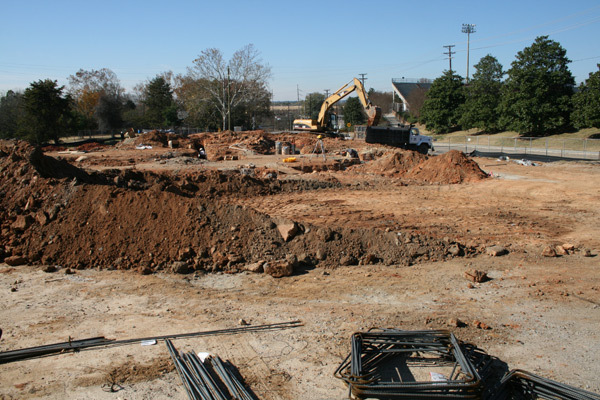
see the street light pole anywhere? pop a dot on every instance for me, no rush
(468, 29)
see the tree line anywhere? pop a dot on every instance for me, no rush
(538, 97)
(214, 94)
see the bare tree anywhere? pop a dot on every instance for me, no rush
(416, 99)
(103, 80)
(88, 87)
(229, 83)
(381, 99)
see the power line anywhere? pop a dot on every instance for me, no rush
(525, 29)
(525, 39)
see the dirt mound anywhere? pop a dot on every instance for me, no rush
(397, 162)
(22, 159)
(92, 146)
(54, 213)
(449, 168)
(155, 138)
(53, 147)
(159, 230)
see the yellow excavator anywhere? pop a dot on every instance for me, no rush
(320, 124)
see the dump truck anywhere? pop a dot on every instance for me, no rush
(323, 123)
(403, 136)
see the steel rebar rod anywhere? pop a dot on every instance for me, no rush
(77, 345)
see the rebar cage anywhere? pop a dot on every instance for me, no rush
(395, 364)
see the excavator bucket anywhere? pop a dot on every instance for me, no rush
(374, 114)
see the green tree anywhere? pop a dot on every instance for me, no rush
(353, 111)
(536, 97)
(161, 109)
(195, 101)
(248, 114)
(586, 103)
(440, 111)
(312, 104)
(10, 113)
(109, 113)
(481, 107)
(47, 112)
(133, 116)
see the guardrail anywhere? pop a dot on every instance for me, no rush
(524, 147)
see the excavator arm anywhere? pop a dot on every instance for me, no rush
(373, 112)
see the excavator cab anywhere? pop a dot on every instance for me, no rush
(333, 122)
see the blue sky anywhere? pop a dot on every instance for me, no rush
(313, 45)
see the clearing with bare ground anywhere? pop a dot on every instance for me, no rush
(127, 242)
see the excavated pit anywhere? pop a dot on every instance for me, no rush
(54, 213)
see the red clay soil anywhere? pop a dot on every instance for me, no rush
(92, 146)
(228, 143)
(396, 162)
(54, 213)
(156, 138)
(449, 168)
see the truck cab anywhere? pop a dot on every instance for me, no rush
(421, 143)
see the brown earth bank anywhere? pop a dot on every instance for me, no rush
(54, 212)
(393, 239)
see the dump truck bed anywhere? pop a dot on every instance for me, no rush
(393, 136)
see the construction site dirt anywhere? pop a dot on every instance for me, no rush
(144, 238)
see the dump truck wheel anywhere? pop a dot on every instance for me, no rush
(423, 148)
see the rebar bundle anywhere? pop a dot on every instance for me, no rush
(209, 379)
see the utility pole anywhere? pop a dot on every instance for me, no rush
(326, 93)
(298, 102)
(449, 53)
(468, 29)
(228, 101)
(363, 79)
